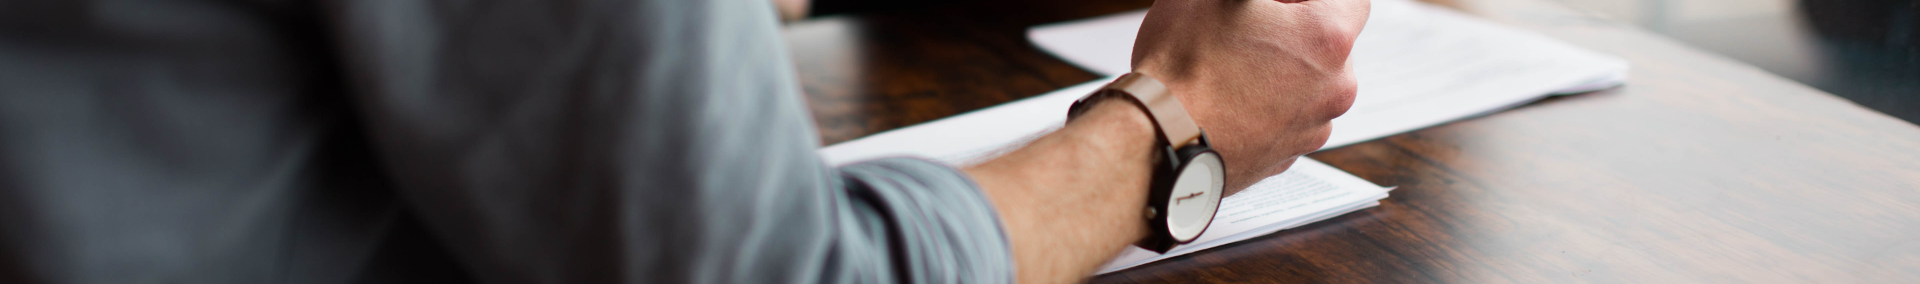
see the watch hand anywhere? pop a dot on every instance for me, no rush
(1189, 196)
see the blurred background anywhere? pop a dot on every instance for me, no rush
(1867, 51)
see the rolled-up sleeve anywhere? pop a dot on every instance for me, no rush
(933, 218)
(600, 141)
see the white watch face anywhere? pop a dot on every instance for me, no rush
(1196, 195)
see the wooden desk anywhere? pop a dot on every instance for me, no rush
(1699, 170)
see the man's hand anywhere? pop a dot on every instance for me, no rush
(1264, 78)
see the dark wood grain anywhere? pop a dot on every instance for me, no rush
(1700, 170)
(869, 73)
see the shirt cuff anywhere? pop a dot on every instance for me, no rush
(942, 228)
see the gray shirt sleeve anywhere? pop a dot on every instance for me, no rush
(638, 141)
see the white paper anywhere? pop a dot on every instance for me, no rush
(1418, 65)
(966, 138)
(1307, 192)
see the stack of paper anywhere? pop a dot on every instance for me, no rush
(1418, 66)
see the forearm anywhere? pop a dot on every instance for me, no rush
(1072, 199)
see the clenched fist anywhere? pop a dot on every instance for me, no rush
(1264, 78)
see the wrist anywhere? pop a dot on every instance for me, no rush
(1121, 128)
(1181, 163)
(1182, 80)
(1122, 136)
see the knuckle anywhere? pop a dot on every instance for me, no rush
(1342, 93)
(1321, 134)
(1337, 30)
(1335, 42)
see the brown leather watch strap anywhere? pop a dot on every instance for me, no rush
(1161, 106)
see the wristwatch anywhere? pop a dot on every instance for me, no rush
(1188, 176)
